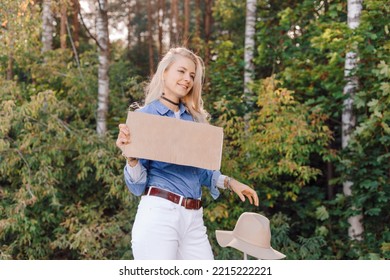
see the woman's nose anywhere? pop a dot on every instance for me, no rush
(187, 77)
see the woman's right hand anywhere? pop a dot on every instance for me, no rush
(123, 140)
(123, 136)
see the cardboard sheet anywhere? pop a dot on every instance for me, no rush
(174, 141)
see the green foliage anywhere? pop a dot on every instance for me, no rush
(282, 136)
(229, 16)
(226, 79)
(365, 162)
(60, 185)
(62, 194)
(304, 45)
(273, 155)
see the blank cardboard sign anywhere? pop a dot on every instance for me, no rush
(174, 141)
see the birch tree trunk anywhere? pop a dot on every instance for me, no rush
(133, 37)
(355, 230)
(47, 26)
(103, 88)
(249, 46)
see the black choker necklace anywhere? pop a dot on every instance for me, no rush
(170, 101)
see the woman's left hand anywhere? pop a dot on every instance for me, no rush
(243, 190)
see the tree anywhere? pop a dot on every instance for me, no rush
(196, 43)
(161, 12)
(174, 34)
(186, 29)
(47, 26)
(348, 117)
(249, 47)
(104, 62)
(16, 32)
(64, 9)
(75, 22)
(62, 194)
(208, 21)
(150, 37)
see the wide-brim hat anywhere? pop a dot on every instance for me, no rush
(251, 235)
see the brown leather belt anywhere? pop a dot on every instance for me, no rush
(187, 203)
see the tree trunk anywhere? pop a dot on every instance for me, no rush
(150, 38)
(207, 37)
(47, 26)
(161, 11)
(207, 30)
(174, 35)
(103, 89)
(329, 177)
(196, 44)
(198, 20)
(249, 47)
(76, 22)
(355, 230)
(129, 27)
(186, 33)
(63, 25)
(132, 37)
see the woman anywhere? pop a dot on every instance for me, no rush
(169, 221)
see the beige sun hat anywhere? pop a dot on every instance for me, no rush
(251, 235)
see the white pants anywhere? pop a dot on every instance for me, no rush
(164, 230)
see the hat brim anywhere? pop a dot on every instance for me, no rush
(224, 237)
(227, 239)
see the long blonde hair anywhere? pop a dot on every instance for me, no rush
(193, 100)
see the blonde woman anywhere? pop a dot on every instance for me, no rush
(169, 221)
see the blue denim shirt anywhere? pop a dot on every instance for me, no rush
(180, 179)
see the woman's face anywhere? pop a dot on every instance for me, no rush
(179, 78)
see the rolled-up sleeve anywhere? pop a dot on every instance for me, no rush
(136, 187)
(209, 179)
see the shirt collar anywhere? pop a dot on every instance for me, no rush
(163, 110)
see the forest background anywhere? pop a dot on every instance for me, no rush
(301, 89)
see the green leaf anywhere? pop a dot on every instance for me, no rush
(373, 212)
(321, 213)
